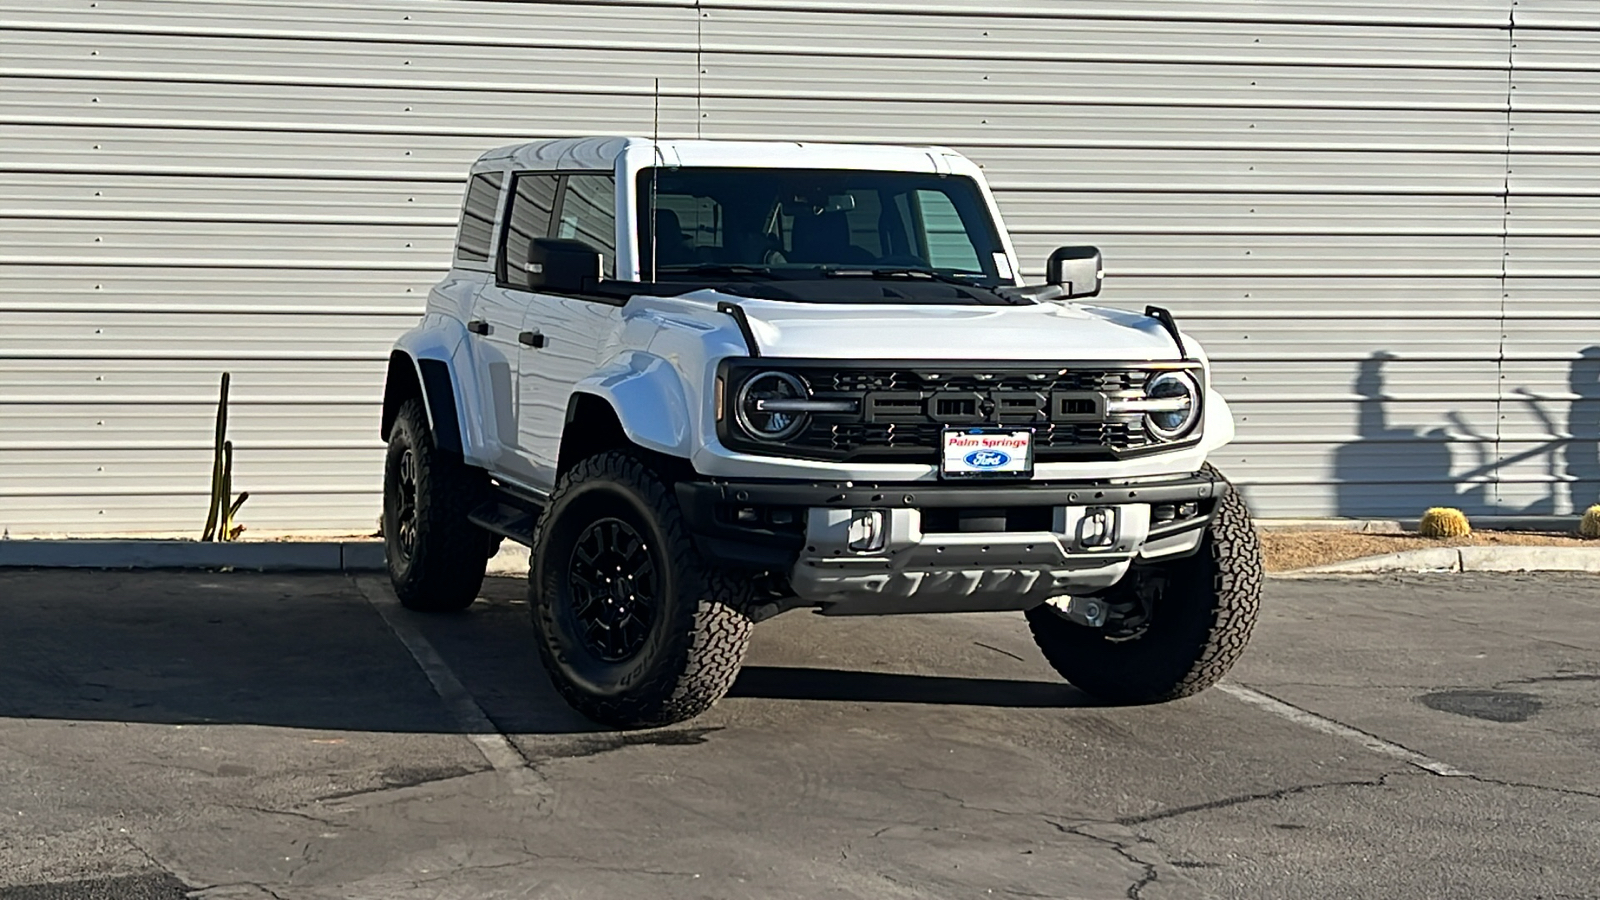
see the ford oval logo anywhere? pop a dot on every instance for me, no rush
(987, 459)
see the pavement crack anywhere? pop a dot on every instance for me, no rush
(1549, 679)
(1260, 797)
(1523, 785)
(999, 651)
(283, 812)
(582, 748)
(149, 857)
(475, 867)
(959, 803)
(1148, 874)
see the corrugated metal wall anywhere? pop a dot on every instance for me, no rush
(1380, 219)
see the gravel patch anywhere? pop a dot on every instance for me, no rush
(1287, 550)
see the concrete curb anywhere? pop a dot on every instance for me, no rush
(1465, 559)
(262, 556)
(266, 556)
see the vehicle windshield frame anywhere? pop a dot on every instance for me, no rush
(906, 226)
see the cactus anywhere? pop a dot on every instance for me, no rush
(1444, 522)
(1590, 526)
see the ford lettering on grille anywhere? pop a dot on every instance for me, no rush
(987, 459)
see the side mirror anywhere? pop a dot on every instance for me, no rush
(1076, 269)
(561, 265)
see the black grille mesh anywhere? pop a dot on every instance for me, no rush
(900, 412)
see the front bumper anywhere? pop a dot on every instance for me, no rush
(948, 547)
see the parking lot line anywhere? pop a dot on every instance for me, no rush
(1328, 726)
(497, 750)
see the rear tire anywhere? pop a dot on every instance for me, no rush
(635, 629)
(436, 557)
(1201, 616)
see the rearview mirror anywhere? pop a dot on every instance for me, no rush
(562, 266)
(1076, 269)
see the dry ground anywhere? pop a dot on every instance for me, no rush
(1285, 550)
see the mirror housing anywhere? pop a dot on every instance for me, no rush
(1077, 270)
(562, 266)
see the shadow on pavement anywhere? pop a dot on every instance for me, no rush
(308, 651)
(803, 683)
(289, 650)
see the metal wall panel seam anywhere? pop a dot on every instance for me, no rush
(1505, 241)
(1448, 18)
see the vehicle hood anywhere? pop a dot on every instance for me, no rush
(1044, 331)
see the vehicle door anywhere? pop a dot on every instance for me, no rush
(497, 321)
(563, 335)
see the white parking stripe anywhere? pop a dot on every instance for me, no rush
(468, 715)
(1328, 726)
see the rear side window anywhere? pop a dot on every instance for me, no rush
(589, 214)
(533, 199)
(944, 234)
(477, 217)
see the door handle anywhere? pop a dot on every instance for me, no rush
(479, 326)
(532, 339)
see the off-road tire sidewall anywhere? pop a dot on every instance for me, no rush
(445, 569)
(699, 631)
(592, 501)
(1198, 631)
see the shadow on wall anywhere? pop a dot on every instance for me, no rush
(1582, 455)
(1389, 468)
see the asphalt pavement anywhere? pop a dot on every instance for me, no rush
(170, 735)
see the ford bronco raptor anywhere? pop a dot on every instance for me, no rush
(707, 382)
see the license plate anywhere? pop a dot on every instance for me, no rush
(986, 453)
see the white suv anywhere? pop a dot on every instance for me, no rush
(711, 381)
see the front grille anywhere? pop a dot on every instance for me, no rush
(900, 412)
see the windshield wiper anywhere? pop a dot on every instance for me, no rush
(887, 272)
(716, 269)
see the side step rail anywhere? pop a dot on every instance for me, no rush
(508, 514)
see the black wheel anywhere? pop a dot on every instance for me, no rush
(633, 627)
(1185, 622)
(436, 557)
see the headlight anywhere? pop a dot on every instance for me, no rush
(766, 406)
(1171, 405)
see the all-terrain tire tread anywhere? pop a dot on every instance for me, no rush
(711, 636)
(447, 565)
(1237, 576)
(1240, 574)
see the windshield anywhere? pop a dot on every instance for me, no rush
(783, 224)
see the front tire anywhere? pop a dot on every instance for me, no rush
(435, 556)
(633, 627)
(1201, 612)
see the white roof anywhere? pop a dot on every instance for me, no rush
(601, 153)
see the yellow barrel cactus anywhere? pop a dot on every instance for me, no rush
(1590, 526)
(1444, 522)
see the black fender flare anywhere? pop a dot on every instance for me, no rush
(430, 380)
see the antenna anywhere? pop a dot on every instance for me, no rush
(655, 178)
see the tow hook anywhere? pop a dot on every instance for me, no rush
(1086, 611)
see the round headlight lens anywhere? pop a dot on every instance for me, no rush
(769, 424)
(1179, 399)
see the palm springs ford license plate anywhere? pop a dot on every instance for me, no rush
(987, 453)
